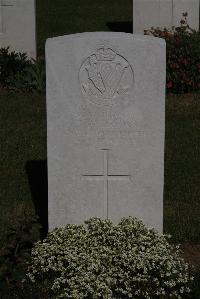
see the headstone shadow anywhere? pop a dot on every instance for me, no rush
(37, 177)
(120, 26)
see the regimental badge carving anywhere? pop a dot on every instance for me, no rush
(106, 78)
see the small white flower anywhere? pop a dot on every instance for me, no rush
(98, 257)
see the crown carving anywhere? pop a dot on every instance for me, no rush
(105, 54)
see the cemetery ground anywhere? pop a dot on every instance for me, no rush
(23, 131)
(23, 184)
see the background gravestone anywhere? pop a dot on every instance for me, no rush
(1, 21)
(17, 26)
(164, 13)
(105, 122)
(189, 6)
(148, 13)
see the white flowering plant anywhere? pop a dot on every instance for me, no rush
(103, 260)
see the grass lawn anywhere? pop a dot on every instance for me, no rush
(23, 139)
(23, 129)
(182, 168)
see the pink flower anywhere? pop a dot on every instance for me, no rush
(174, 66)
(184, 61)
(169, 84)
(184, 77)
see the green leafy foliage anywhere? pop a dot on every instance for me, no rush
(31, 80)
(103, 260)
(183, 56)
(15, 250)
(20, 74)
(11, 63)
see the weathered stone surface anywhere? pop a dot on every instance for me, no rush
(105, 120)
(151, 13)
(1, 21)
(17, 26)
(163, 13)
(189, 6)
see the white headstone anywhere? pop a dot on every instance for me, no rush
(1, 21)
(189, 6)
(17, 26)
(151, 13)
(105, 120)
(163, 13)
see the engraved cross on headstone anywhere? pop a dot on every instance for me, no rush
(106, 177)
(4, 3)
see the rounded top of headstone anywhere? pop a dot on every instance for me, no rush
(107, 34)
